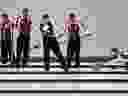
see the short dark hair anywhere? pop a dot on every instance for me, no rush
(72, 15)
(45, 16)
(25, 10)
(4, 15)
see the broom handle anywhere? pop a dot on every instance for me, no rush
(12, 29)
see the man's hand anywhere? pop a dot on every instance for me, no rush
(60, 35)
(89, 35)
(62, 40)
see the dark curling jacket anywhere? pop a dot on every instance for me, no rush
(6, 30)
(74, 30)
(25, 26)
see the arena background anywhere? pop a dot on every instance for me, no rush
(90, 48)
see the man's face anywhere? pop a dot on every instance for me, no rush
(25, 13)
(72, 19)
(4, 19)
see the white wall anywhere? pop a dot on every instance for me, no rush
(57, 8)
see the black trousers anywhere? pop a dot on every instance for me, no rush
(50, 43)
(22, 47)
(73, 49)
(7, 49)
